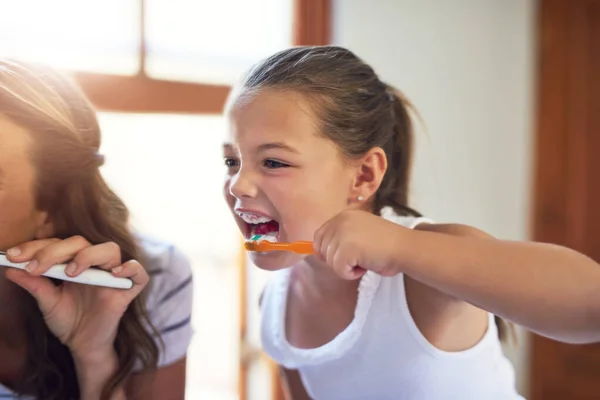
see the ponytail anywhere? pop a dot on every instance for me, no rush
(398, 148)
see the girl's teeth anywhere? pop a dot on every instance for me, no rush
(254, 219)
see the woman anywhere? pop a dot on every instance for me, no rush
(60, 340)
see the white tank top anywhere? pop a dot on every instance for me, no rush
(382, 354)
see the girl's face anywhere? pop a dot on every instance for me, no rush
(20, 220)
(282, 175)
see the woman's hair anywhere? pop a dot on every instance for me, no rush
(356, 110)
(65, 143)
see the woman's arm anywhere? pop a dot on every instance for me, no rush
(84, 318)
(549, 289)
(166, 383)
(94, 372)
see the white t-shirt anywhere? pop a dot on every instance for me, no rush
(169, 301)
(382, 354)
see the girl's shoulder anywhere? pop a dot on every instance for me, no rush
(407, 221)
(428, 224)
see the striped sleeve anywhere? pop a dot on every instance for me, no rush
(169, 301)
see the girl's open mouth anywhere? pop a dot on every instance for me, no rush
(260, 225)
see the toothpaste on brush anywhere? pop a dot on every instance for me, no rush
(269, 237)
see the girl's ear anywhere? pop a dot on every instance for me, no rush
(370, 170)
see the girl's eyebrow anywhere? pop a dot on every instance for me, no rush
(228, 147)
(267, 146)
(276, 145)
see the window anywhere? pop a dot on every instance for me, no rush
(159, 72)
(185, 40)
(213, 41)
(178, 56)
(169, 171)
(97, 36)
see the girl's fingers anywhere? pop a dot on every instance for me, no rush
(330, 252)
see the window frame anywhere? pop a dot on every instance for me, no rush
(142, 94)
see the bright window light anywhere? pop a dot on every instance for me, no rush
(214, 41)
(87, 35)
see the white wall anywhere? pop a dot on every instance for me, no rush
(467, 65)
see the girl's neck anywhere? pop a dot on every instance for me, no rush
(323, 280)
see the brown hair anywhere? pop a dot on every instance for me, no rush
(66, 139)
(357, 111)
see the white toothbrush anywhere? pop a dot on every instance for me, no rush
(95, 277)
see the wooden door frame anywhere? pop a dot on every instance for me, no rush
(549, 197)
(560, 181)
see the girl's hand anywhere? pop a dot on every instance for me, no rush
(85, 318)
(355, 241)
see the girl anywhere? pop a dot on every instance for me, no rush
(391, 305)
(77, 341)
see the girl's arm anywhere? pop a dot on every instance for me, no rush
(549, 289)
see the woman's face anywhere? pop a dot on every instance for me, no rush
(20, 220)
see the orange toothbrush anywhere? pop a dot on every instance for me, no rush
(264, 246)
(299, 247)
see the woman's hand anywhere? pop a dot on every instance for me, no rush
(85, 318)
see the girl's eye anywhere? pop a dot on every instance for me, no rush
(231, 162)
(272, 164)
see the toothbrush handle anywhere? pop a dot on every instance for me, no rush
(300, 247)
(93, 276)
